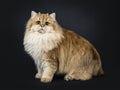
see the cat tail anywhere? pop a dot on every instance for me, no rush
(100, 72)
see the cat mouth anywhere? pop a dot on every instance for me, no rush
(41, 31)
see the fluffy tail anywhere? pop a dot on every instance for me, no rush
(100, 72)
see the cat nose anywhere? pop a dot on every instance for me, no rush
(42, 25)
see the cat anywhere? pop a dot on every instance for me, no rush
(56, 50)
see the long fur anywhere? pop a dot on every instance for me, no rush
(60, 51)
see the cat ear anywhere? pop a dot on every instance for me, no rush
(33, 14)
(53, 15)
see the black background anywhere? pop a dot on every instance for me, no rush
(96, 20)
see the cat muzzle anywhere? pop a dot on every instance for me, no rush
(41, 31)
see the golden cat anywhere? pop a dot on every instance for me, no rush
(57, 50)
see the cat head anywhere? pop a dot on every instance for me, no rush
(42, 23)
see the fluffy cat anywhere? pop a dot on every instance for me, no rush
(57, 50)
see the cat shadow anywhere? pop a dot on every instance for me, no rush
(59, 77)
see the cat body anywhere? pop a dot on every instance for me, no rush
(57, 50)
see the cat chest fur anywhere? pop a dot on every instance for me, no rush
(35, 43)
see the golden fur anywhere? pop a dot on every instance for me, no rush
(57, 50)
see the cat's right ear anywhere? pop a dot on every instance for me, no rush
(53, 16)
(33, 14)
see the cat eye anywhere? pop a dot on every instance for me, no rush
(47, 23)
(37, 22)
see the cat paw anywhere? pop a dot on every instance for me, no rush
(38, 75)
(68, 77)
(46, 79)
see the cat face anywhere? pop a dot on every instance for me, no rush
(42, 23)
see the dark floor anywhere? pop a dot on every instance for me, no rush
(95, 20)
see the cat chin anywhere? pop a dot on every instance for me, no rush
(41, 31)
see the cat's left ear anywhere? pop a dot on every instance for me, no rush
(53, 16)
(33, 14)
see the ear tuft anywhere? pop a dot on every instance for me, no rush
(53, 16)
(33, 14)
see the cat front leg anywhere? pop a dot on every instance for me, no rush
(39, 70)
(38, 74)
(49, 69)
